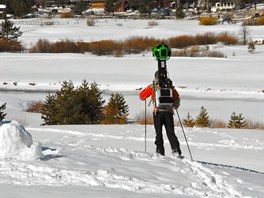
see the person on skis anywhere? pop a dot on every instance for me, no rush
(163, 114)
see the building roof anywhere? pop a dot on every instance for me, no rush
(2, 6)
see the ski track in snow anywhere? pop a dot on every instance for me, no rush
(227, 141)
(203, 182)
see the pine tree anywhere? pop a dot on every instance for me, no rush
(9, 31)
(202, 120)
(237, 121)
(2, 114)
(188, 122)
(116, 111)
(49, 110)
(66, 103)
(83, 105)
(91, 103)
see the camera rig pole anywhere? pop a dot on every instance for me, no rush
(162, 69)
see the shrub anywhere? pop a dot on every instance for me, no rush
(116, 111)
(153, 23)
(227, 38)
(66, 15)
(206, 38)
(213, 53)
(64, 46)
(35, 107)
(84, 46)
(105, 47)
(10, 46)
(257, 21)
(208, 20)
(139, 44)
(181, 41)
(90, 22)
(42, 46)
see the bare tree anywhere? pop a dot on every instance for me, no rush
(244, 34)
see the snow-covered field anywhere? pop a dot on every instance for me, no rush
(110, 161)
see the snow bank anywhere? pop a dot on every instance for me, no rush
(16, 142)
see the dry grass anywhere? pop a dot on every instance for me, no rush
(153, 23)
(140, 118)
(64, 46)
(10, 46)
(66, 15)
(218, 124)
(105, 47)
(134, 45)
(206, 38)
(181, 41)
(196, 51)
(253, 21)
(139, 44)
(208, 20)
(35, 107)
(254, 125)
(227, 38)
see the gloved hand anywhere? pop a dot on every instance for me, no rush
(176, 103)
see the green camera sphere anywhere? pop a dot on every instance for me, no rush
(161, 52)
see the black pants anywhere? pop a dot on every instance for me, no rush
(165, 118)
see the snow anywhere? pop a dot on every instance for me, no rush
(110, 160)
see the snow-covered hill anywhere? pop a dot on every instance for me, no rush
(109, 161)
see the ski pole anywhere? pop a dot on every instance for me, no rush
(145, 125)
(184, 134)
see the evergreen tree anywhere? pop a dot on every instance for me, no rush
(116, 111)
(91, 103)
(66, 103)
(202, 120)
(18, 8)
(9, 31)
(144, 6)
(237, 121)
(188, 122)
(49, 110)
(251, 47)
(2, 114)
(179, 12)
(112, 5)
(83, 105)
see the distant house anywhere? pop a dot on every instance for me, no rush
(101, 4)
(226, 7)
(2, 11)
(97, 3)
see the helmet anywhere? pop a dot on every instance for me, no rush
(161, 52)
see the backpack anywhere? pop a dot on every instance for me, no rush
(163, 94)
